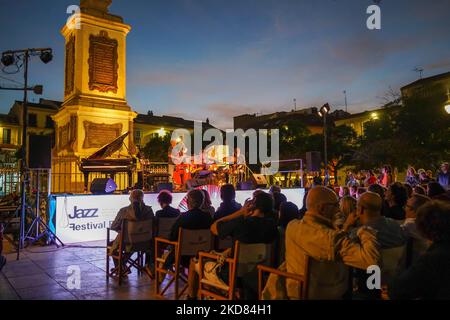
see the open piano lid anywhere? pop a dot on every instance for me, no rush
(107, 150)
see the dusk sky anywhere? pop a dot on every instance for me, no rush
(219, 59)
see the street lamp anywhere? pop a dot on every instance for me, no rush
(447, 105)
(323, 112)
(14, 57)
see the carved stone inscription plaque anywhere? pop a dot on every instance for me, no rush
(103, 63)
(98, 135)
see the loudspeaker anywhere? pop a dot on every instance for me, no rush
(39, 152)
(313, 161)
(103, 186)
(165, 186)
(260, 180)
(247, 185)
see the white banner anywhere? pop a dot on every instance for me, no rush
(81, 218)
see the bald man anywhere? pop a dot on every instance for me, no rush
(388, 233)
(316, 237)
(368, 211)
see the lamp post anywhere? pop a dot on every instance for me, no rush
(323, 112)
(9, 58)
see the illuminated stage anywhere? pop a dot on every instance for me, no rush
(81, 218)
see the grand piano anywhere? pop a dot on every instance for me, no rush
(99, 162)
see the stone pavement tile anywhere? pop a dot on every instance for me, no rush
(21, 268)
(30, 281)
(59, 261)
(61, 273)
(6, 290)
(42, 292)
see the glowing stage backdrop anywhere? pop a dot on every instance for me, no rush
(81, 218)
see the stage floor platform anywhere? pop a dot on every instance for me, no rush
(42, 273)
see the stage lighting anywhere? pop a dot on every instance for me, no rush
(8, 59)
(46, 56)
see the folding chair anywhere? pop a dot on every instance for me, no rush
(135, 237)
(189, 243)
(245, 259)
(303, 280)
(164, 227)
(222, 244)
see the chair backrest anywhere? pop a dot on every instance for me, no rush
(165, 227)
(250, 255)
(193, 241)
(226, 243)
(392, 262)
(137, 232)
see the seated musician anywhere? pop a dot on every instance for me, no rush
(136, 211)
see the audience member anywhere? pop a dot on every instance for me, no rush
(409, 190)
(428, 277)
(411, 177)
(207, 204)
(396, 196)
(344, 191)
(419, 190)
(443, 176)
(387, 177)
(136, 211)
(316, 237)
(167, 211)
(347, 206)
(250, 224)
(435, 189)
(229, 204)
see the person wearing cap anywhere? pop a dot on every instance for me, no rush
(444, 176)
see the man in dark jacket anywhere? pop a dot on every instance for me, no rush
(444, 176)
(229, 204)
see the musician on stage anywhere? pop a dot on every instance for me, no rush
(177, 158)
(238, 166)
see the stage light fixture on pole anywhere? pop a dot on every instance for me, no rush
(9, 58)
(323, 112)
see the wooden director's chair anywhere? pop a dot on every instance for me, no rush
(134, 240)
(189, 243)
(244, 261)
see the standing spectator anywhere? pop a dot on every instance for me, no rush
(411, 177)
(316, 237)
(387, 178)
(229, 204)
(317, 179)
(428, 278)
(443, 176)
(370, 178)
(423, 177)
(343, 192)
(351, 180)
(396, 197)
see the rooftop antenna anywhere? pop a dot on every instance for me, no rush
(419, 70)
(345, 95)
(295, 104)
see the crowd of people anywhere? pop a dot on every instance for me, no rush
(342, 230)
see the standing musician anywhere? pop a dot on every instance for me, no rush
(177, 162)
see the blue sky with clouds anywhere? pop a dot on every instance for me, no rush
(218, 59)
